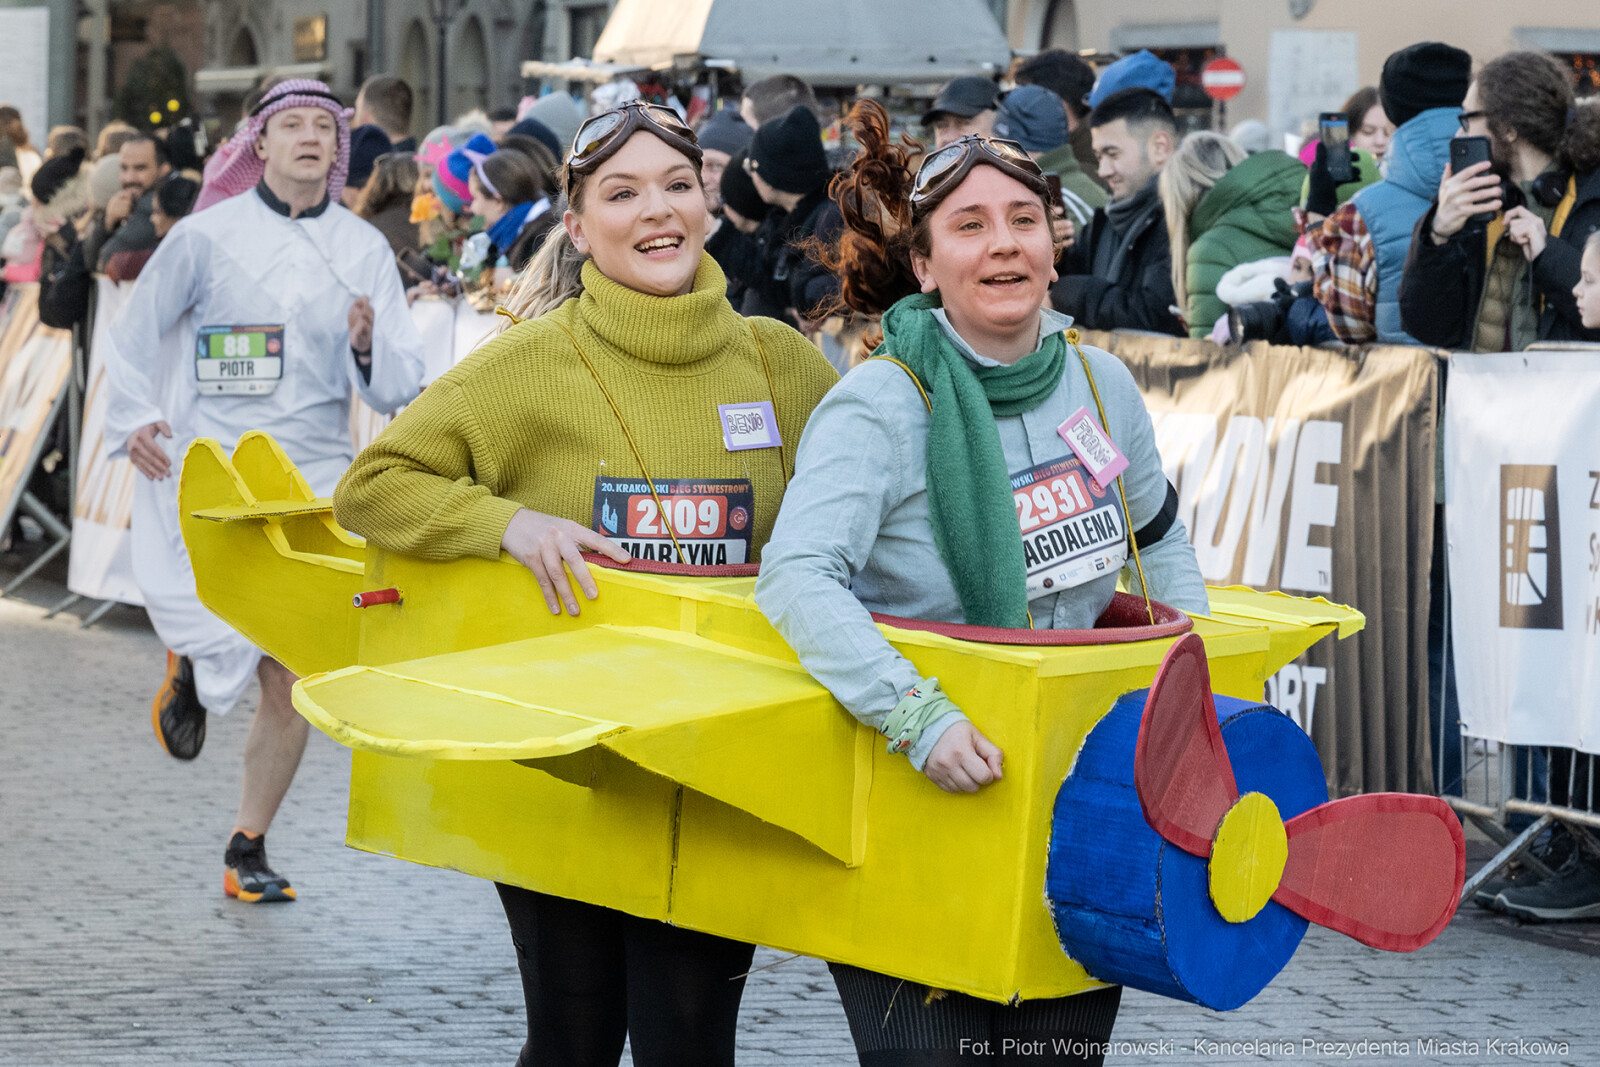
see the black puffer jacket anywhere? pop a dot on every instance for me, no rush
(1138, 294)
(1443, 284)
(775, 263)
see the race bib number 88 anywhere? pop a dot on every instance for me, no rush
(713, 521)
(238, 360)
(1071, 534)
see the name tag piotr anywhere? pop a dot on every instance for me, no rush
(238, 360)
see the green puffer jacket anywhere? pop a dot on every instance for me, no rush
(1244, 217)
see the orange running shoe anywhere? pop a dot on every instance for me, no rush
(176, 713)
(247, 875)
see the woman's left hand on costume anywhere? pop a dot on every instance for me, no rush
(1527, 229)
(361, 325)
(963, 760)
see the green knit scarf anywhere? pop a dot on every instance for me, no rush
(969, 488)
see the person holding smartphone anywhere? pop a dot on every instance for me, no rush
(1493, 263)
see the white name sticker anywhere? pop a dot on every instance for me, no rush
(1100, 457)
(753, 425)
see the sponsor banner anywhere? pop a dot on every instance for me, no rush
(1522, 470)
(99, 566)
(35, 364)
(1309, 471)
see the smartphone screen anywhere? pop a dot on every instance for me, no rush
(1464, 152)
(1334, 130)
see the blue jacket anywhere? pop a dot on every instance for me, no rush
(1415, 164)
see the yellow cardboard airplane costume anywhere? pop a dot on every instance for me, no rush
(664, 753)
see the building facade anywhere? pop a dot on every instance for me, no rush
(1303, 56)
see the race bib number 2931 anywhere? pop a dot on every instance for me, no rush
(711, 521)
(1071, 532)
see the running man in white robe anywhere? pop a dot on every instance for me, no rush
(279, 272)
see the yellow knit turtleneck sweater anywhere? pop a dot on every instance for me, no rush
(522, 422)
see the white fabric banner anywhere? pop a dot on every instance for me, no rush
(1522, 477)
(99, 567)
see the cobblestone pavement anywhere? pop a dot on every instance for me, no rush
(118, 947)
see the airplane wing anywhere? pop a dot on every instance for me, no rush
(753, 732)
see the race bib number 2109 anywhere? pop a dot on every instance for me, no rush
(710, 521)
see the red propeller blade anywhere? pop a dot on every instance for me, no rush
(1385, 868)
(1180, 769)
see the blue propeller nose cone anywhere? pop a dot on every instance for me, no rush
(1136, 910)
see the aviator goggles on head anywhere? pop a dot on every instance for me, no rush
(599, 138)
(943, 170)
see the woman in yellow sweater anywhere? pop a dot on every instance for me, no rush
(645, 377)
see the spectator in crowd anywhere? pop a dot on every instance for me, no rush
(514, 206)
(112, 136)
(384, 101)
(386, 200)
(789, 169)
(1223, 208)
(61, 199)
(1369, 125)
(1036, 118)
(559, 112)
(535, 130)
(721, 137)
(1070, 78)
(174, 198)
(186, 147)
(1359, 252)
(745, 211)
(1118, 274)
(16, 149)
(1251, 135)
(774, 97)
(127, 218)
(501, 119)
(12, 202)
(548, 165)
(965, 106)
(1586, 294)
(63, 139)
(367, 143)
(1501, 287)
(1142, 70)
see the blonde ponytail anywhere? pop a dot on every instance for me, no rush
(553, 276)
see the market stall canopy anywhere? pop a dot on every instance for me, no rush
(826, 42)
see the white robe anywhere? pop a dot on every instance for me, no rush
(237, 263)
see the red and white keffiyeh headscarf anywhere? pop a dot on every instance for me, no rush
(236, 168)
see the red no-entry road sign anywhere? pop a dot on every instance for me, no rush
(1222, 78)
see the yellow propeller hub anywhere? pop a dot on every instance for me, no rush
(1247, 857)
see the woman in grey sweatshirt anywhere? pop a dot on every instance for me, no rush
(937, 484)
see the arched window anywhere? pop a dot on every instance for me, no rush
(469, 70)
(243, 53)
(417, 67)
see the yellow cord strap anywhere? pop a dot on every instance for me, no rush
(661, 508)
(766, 369)
(909, 374)
(1072, 339)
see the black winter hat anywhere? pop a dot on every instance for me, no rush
(1423, 76)
(54, 173)
(739, 192)
(787, 153)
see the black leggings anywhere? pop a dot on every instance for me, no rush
(894, 1024)
(592, 977)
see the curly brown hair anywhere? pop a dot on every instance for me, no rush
(1531, 93)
